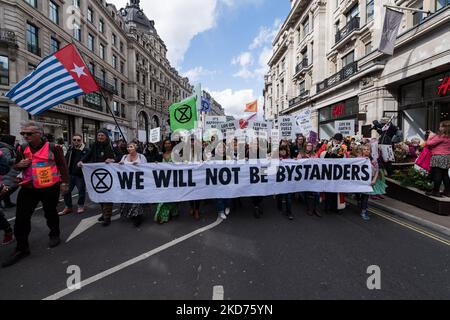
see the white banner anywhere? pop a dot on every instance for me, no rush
(155, 135)
(168, 182)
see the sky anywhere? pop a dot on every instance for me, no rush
(222, 44)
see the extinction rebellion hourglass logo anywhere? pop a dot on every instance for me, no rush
(444, 87)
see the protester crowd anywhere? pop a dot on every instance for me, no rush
(44, 170)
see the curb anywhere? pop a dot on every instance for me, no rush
(425, 223)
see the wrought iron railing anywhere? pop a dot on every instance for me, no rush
(302, 65)
(342, 75)
(352, 25)
(302, 96)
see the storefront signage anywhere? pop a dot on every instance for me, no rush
(444, 87)
(338, 110)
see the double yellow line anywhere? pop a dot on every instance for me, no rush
(411, 227)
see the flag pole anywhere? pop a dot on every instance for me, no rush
(112, 114)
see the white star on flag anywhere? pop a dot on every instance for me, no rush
(79, 71)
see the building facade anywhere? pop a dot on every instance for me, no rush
(121, 49)
(325, 57)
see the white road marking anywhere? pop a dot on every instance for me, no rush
(133, 261)
(60, 200)
(218, 293)
(87, 223)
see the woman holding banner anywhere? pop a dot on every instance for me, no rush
(165, 211)
(135, 212)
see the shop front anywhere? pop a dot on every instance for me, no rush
(90, 129)
(423, 105)
(4, 119)
(57, 125)
(341, 114)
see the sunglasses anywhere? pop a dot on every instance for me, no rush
(28, 134)
(76, 140)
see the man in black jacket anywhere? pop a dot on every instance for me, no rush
(76, 152)
(103, 151)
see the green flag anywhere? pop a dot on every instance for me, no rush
(183, 115)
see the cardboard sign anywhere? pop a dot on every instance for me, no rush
(286, 126)
(387, 152)
(213, 122)
(345, 127)
(260, 128)
(155, 135)
(304, 122)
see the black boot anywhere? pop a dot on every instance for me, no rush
(15, 257)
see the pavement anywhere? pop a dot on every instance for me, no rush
(241, 258)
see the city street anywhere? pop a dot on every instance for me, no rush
(257, 259)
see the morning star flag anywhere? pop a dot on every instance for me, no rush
(58, 78)
(389, 34)
(183, 115)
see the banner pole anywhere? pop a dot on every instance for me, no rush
(113, 116)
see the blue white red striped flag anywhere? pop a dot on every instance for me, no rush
(58, 78)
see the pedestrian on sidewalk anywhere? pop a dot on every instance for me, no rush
(439, 144)
(75, 153)
(5, 167)
(103, 151)
(44, 177)
(133, 211)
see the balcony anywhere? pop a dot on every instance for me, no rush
(303, 96)
(34, 49)
(351, 26)
(302, 65)
(8, 37)
(345, 73)
(107, 86)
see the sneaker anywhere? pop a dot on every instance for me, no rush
(223, 216)
(81, 210)
(365, 216)
(101, 219)
(15, 257)
(8, 238)
(54, 242)
(317, 213)
(227, 211)
(65, 211)
(290, 216)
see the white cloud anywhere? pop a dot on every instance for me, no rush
(179, 21)
(234, 101)
(245, 60)
(266, 35)
(198, 72)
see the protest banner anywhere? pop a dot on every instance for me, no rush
(387, 153)
(214, 122)
(261, 129)
(169, 182)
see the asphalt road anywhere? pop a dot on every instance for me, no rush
(256, 259)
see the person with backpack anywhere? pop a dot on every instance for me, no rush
(4, 224)
(44, 176)
(7, 147)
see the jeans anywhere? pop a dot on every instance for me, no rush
(78, 182)
(222, 204)
(440, 175)
(364, 201)
(312, 199)
(4, 224)
(27, 201)
(285, 198)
